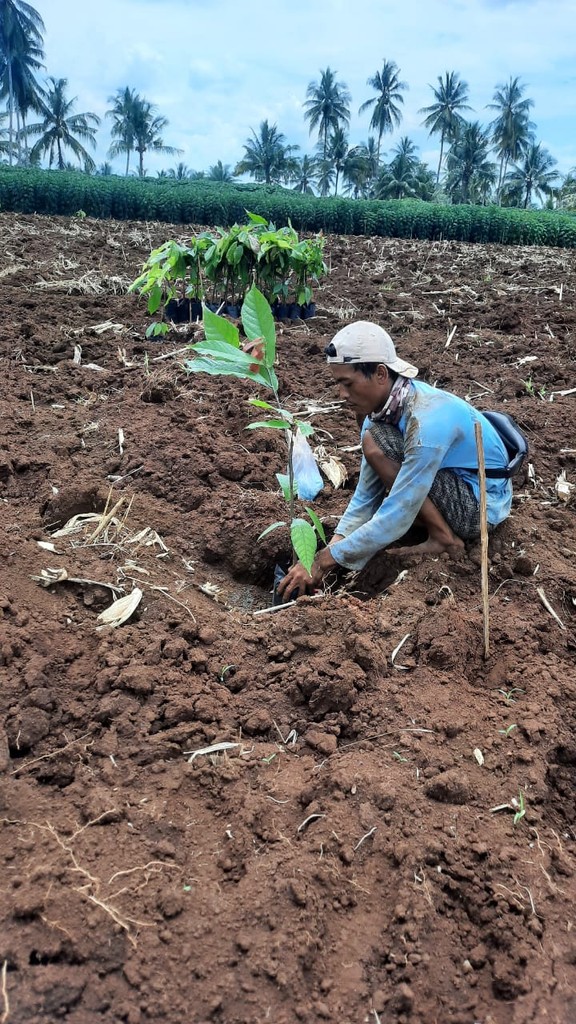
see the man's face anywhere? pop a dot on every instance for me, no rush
(362, 394)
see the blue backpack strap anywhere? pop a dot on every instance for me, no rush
(514, 441)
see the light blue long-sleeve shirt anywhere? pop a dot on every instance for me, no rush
(438, 430)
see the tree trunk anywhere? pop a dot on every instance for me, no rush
(500, 177)
(127, 161)
(441, 155)
(25, 139)
(10, 109)
(18, 139)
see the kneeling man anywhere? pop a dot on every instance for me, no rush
(419, 460)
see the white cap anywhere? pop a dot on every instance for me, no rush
(363, 342)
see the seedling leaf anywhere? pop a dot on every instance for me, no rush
(217, 367)
(276, 424)
(306, 429)
(218, 348)
(269, 529)
(256, 218)
(262, 405)
(259, 404)
(217, 328)
(258, 322)
(284, 481)
(304, 542)
(317, 524)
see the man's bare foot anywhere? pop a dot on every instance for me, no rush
(455, 548)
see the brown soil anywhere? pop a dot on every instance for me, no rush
(343, 861)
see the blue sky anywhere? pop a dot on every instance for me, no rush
(217, 68)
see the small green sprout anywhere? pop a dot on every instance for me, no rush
(509, 694)
(268, 759)
(520, 807)
(532, 389)
(398, 757)
(157, 329)
(508, 730)
(224, 672)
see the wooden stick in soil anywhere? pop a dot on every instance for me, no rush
(483, 536)
(6, 1009)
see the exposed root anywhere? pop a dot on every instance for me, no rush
(91, 890)
(53, 753)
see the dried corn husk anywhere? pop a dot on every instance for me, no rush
(121, 610)
(79, 522)
(332, 467)
(49, 576)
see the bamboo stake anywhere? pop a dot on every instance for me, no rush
(483, 536)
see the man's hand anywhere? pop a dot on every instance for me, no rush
(297, 578)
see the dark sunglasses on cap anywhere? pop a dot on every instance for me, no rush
(332, 352)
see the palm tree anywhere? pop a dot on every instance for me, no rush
(361, 169)
(148, 127)
(63, 129)
(443, 117)
(337, 153)
(400, 179)
(386, 113)
(220, 172)
(181, 172)
(21, 29)
(326, 174)
(327, 107)
(122, 112)
(26, 92)
(4, 137)
(425, 182)
(266, 156)
(468, 163)
(567, 191)
(534, 174)
(305, 175)
(512, 130)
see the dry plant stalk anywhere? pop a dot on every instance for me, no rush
(6, 1010)
(106, 519)
(483, 536)
(548, 607)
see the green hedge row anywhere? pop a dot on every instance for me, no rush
(215, 204)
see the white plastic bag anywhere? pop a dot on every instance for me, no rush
(307, 476)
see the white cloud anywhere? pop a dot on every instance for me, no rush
(216, 68)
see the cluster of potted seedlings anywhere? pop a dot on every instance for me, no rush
(216, 270)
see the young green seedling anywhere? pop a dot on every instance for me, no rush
(224, 672)
(221, 354)
(519, 805)
(509, 694)
(508, 730)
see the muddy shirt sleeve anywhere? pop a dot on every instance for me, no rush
(365, 501)
(393, 516)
